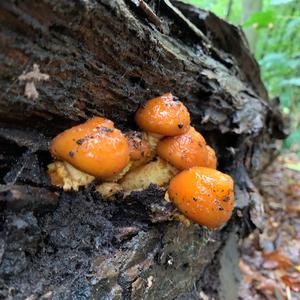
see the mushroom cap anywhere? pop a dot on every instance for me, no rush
(211, 157)
(163, 115)
(203, 195)
(184, 151)
(138, 145)
(94, 147)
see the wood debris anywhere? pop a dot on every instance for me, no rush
(31, 78)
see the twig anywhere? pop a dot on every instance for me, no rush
(191, 25)
(229, 9)
(151, 16)
(8, 186)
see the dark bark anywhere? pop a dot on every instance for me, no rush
(104, 58)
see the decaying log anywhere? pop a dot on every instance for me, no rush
(65, 61)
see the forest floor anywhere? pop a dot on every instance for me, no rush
(270, 261)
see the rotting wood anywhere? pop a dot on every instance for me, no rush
(104, 58)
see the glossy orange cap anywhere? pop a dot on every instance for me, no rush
(163, 115)
(184, 151)
(138, 146)
(203, 195)
(211, 157)
(94, 147)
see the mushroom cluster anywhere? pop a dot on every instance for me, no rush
(169, 152)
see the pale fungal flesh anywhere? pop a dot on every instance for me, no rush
(108, 190)
(181, 218)
(64, 175)
(121, 174)
(157, 172)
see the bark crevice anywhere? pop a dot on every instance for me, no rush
(105, 58)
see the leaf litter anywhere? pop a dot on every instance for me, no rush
(270, 261)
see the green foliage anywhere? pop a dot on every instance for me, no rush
(294, 138)
(295, 167)
(291, 81)
(279, 2)
(277, 49)
(261, 19)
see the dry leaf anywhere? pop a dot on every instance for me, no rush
(297, 268)
(293, 208)
(270, 285)
(292, 282)
(275, 259)
(264, 270)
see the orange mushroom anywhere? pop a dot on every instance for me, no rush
(94, 147)
(203, 195)
(211, 157)
(138, 145)
(184, 151)
(163, 115)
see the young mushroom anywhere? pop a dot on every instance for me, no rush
(184, 151)
(142, 148)
(94, 147)
(203, 195)
(138, 146)
(211, 158)
(164, 116)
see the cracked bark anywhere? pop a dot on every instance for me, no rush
(104, 58)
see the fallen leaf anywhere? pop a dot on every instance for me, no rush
(270, 285)
(262, 267)
(294, 166)
(275, 259)
(293, 208)
(247, 270)
(292, 282)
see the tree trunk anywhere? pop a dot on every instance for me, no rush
(104, 58)
(250, 7)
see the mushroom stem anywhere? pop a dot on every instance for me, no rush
(108, 190)
(64, 175)
(120, 175)
(157, 172)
